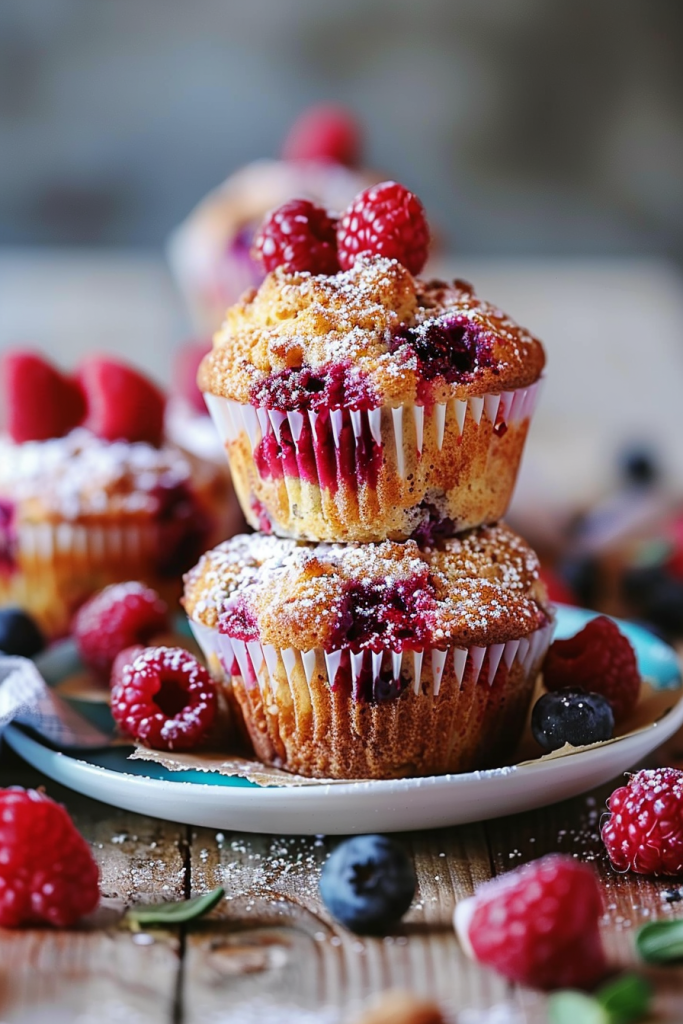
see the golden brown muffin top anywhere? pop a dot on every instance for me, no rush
(479, 588)
(387, 336)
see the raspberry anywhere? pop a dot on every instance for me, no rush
(164, 698)
(325, 132)
(599, 659)
(40, 402)
(298, 236)
(47, 872)
(385, 220)
(644, 830)
(122, 403)
(537, 925)
(118, 617)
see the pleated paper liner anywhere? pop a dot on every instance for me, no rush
(364, 475)
(652, 707)
(57, 565)
(379, 714)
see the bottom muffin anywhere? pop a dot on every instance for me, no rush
(375, 661)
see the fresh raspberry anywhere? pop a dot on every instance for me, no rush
(644, 830)
(119, 616)
(125, 657)
(47, 872)
(325, 132)
(599, 659)
(537, 925)
(385, 220)
(122, 403)
(185, 367)
(39, 401)
(298, 236)
(165, 699)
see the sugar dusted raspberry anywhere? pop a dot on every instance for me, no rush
(47, 872)
(39, 401)
(385, 220)
(118, 617)
(644, 830)
(122, 403)
(325, 132)
(537, 925)
(599, 659)
(165, 699)
(298, 236)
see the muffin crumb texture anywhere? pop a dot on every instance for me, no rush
(394, 337)
(481, 587)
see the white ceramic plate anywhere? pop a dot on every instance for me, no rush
(391, 806)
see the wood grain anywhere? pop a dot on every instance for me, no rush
(97, 972)
(271, 945)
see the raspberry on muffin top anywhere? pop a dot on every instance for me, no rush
(481, 587)
(392, 337)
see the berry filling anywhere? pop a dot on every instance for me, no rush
(8, 537)
(238, 621)
(316, 458)
(451, 347)
(396, 616)
(333, 386)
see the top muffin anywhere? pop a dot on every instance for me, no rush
(365, 337)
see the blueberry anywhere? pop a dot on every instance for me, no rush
(571, 716)
(19, 634)
(368, 883)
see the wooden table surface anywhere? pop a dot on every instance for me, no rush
(270, 952)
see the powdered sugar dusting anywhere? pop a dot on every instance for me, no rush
(80, 474)
(481, 587)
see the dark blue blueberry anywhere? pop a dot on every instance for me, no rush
(367, 884)
(19, 634)
(571, 716)
(639, 466)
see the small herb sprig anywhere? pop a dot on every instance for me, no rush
(166, 915)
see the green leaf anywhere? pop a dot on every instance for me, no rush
(626, 999)
(570, 1007)
(660, 942)
(164, 915)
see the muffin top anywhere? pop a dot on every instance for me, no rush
(364, 337)
(81, 475)
(479, 588)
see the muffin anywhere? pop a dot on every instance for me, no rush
(79, 512)
(368, 404)
(375, 661)
(210, 252)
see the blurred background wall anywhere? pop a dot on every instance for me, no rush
(527, 126)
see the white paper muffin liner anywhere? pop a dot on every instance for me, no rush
(93, 544)
(393, 428)
(258, 663)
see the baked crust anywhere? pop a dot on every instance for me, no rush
(361, 320)
(479, 588)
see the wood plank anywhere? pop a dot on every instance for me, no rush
(97, 972)
(273, 941)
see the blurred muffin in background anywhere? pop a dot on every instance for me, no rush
(210, 252)
(90, 492)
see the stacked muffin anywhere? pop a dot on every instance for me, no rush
(382, 623)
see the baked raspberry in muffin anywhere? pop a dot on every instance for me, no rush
(375, 661)
(369, 404)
